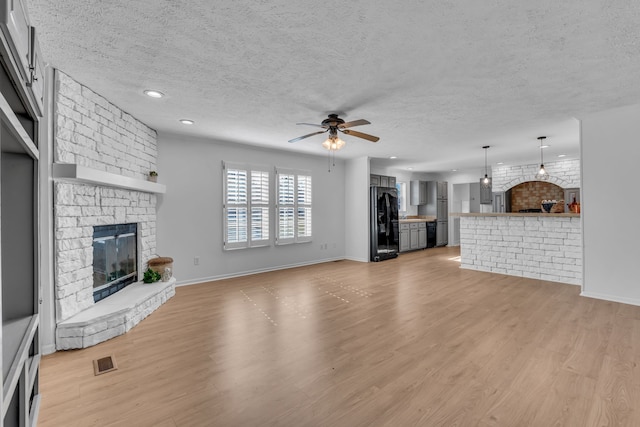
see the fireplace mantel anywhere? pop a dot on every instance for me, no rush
(83, 174)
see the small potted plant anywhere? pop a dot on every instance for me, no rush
(153, 176)
(151, 276)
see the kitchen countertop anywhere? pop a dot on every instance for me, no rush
(423, 218)
(564, 215)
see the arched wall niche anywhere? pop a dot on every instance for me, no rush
(559, 182)
(528, 195)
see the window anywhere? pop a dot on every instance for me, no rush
(294, 206)
(246, 206)
(402, 196)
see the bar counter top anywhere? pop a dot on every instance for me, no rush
(422, 218)
(517, 214)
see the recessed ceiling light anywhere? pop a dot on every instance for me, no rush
(500, 163)
(393, 157)
(454, 170)
(153, 93)
(544, 146)
(562, 155)
(186, 121)
(410, 169)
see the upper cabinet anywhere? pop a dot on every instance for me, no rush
(35, 80)
(16, 29)
(20, 42)
(443, 192)
(382, 181)
(436, 190)
(418, 193)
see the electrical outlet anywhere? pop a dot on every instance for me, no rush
(196, 260)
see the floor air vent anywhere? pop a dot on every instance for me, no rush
(104, 365)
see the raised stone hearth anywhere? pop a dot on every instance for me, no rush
(113, 316)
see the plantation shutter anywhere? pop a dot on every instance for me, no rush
(246, 206)
(293, 207)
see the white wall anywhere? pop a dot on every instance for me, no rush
(190, 213)
(610, 202)
(357, 209)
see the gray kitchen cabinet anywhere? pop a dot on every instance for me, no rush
(413, 228)
(35, 82)
(413, 236)
(442, 233)
(16, 30)
(392, 181)
(418, 193)
(382, 181)
(443, 190)
(422, 235)
(405, 239)
(442, 211)
(435, 191)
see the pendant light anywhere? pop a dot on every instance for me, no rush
(542, 173)
(486, 181)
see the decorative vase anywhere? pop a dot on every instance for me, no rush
(153, 178)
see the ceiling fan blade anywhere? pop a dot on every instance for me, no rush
(313, 124)
(354, 123)
(307, 136)
(361, 135)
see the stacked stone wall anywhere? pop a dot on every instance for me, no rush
(92, 132)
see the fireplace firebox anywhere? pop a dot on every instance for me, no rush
(115, 258)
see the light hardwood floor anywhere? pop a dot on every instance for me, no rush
(414, 341)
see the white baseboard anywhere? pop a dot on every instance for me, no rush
(257, 271)
(357, 259)
(612, 298)
(48, 349)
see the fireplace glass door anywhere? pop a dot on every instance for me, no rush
(114, 259)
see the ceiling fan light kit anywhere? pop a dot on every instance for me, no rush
(333, 143)
(334, 124)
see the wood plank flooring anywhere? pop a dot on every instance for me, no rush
(414, 341)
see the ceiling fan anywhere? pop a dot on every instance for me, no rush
(334, 124)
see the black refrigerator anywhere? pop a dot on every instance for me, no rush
(384, 223)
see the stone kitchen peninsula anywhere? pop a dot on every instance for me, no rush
(542, 246)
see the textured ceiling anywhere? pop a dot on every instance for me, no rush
(437, 79)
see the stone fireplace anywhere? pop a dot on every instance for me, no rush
(102, 156)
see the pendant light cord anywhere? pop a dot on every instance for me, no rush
(486, 168)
